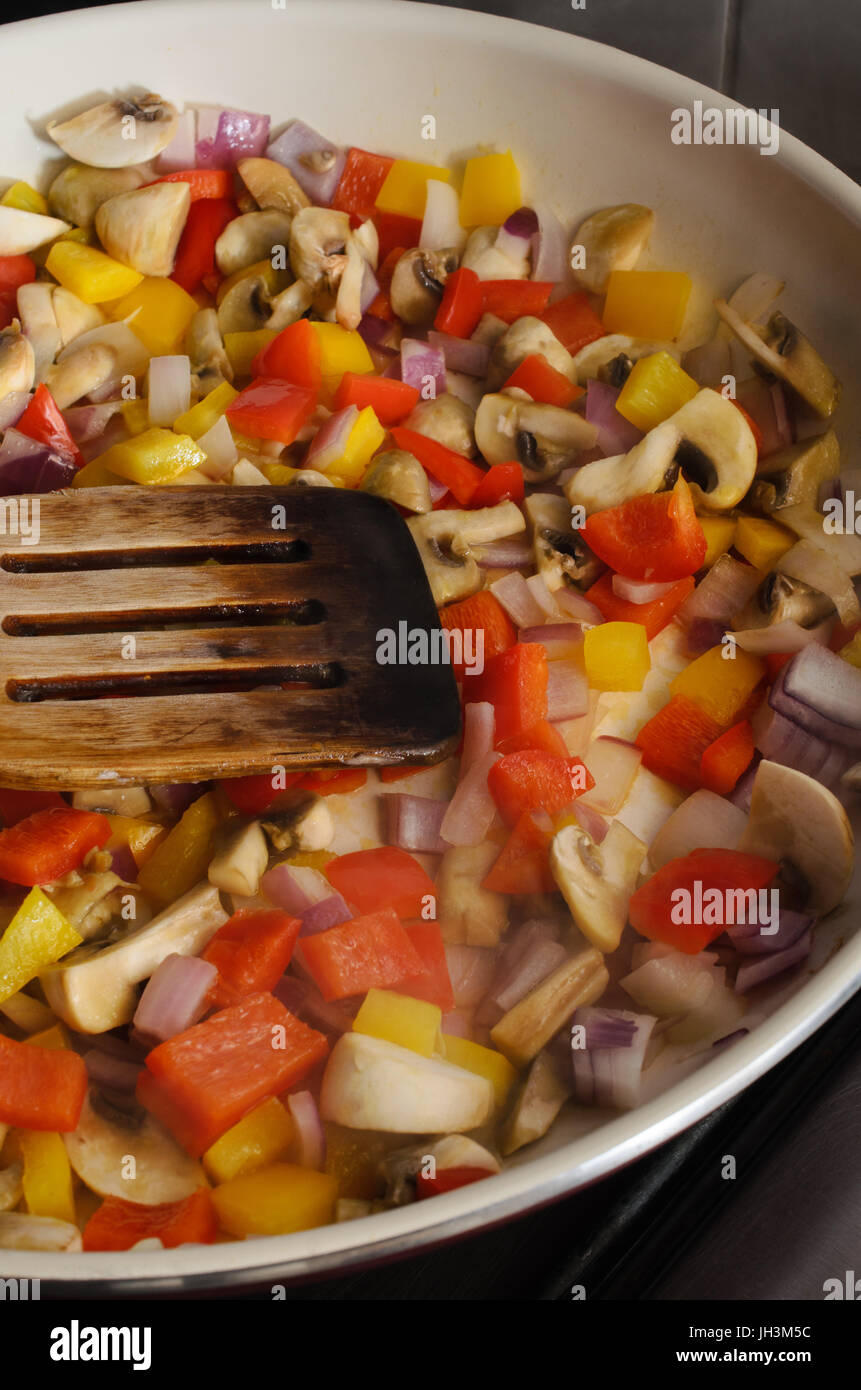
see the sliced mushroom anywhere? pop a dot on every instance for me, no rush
(801, 824)
(240, 859)
(306, 825)
(470, 914)
(812, 566)
(21, 232)
(400, 477)
(716, 450)
(612, 239)
(86, 369)
(142, 228)
(561, 555)
(545, 438)
(309, 477)
(288, 306)
(250, 238)
(113, 801)
(11, 1186)
(118, 133)
(418, 283)
(596, 880)
(538, 1103)
(19, 1231)
(100, 1148)
(373, 1084)
(401, 1167)
(443, 539)
(39, 322)
(489, 330)
(78, 191)
(780, 599)
(348, 301)
(94, 900)
(528, 1027)
(521, 339)
(271, 185)
(17, 361)
(246, 306)
(205, 347)
(94, 988)
(482, 255)
(792, 477)
(783, 350)
(446, 419)
(318, 237)
(73, 316)
(594, 357)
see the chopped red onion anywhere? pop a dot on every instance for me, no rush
(755, 396)
(749, 940)
(756, 972)
(608, 1028)
(616, 435)
(28, 466)
(551, 632)
(310, 1004)
(179, 154)
(591, 821)
(512, 553)
(543, 597)
(441, 222)
(549, 246)
(522, 223)
(471, 970)
(821, 693)
(610, 1076)
(12, 407)
(124, 865)
(88, 422)
(639, 591)
(537, 956)
(731, 1037)
(310, 1135)
(422, 364)
(782, 421)
(224, 137)
(723, 592)
(437, 490)
(703, 821)
(174, 998)
(299, 148)
(413, 822)
(479, 723)
(330, 441)
(709, 363)
(328, 912)
(703, 634)
(517, 599)
(471, 811)
(283, 885)
(176, 797)
(461, 354)
(742, 792)
(567, 690)
(783, 741)
(576, 605)
(103, 1069)
(374, 331)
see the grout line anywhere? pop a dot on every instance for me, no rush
(729, 50)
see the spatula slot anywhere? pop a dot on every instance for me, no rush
(280, 552)
(320, 676)
(301, 613)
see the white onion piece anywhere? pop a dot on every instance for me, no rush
(518, 600)
(413, 822)
(543, 597)
(294, 887)
(441, 222)
(709, 363)
(329, 443)
(169, 394)
(786, 636)
(174, 997)
(703, 821)
(549, 246)
(220, 448)
(567, 690)
(310, 1140)
(614, 764)
(670, 984)
(472, 809)
(466, 388)
(639, 590)
(611, 1076)
(576, 605)
(89, 422)
(471, 970)
(479, 721)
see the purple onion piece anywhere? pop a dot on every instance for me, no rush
(757, 972)
(749, 940)
(522, 223)
(175, 997)
(300, 142)
(176, 797)
(124, 865)
(319, 917)
(103, 1069)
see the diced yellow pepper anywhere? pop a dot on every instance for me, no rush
(207, 412)
(275, 1200)
(278, 474)
(341, 350)
(363, 441)
(95, 474)
(404, 189)
(90, 274)
(181, 860)
(141, 836)
(491, 190)
(852, 651)
(156, 456)
(21, 195)
(159, 312)
(484, 1061)
(719, 532)
(38, 935)
(264, 1135)
(617, 656)
(54, 1038)
(411, 1023)
(136, 415)
(762, 542)
(47, 1178)
(721, 682)
(646, 303)
(656, 388)
(242, 348)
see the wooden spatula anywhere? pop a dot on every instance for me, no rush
(126, 658)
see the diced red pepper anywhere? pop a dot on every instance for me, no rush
(674, 740)
(363, 176)
(50, 843)
(195, 255)
(448, 1180)
(724, 761)
(294, 356)
(272, 409)
(251, 952)
(574, 321)
(462, 304)
(536, 781)
(43, 421)
(118, 1224)
(203, 184)
(543, 382)
(482, 612)
(395, 231)
(657, 910)
(435, 984)
(512, 299)
(372, 879)
(543, 736)
(8, 307)
(397, 774)
(40, 1087)
(502, 482)
(515, 683)
(16, 271)
(371, 952)
(452, 470)
(657, 536)
(523, 867)
(204, 1080)
(391, 400)
(254, 794)
(18, 803)
(654, 615)
(327, 781)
